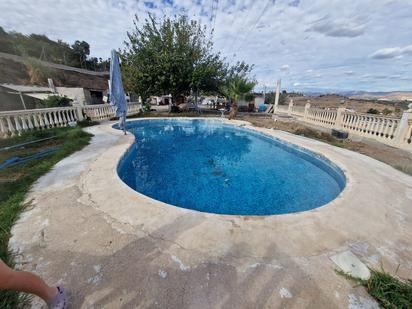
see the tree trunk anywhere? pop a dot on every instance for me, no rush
(233, 111)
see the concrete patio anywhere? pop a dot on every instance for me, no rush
(112, 247)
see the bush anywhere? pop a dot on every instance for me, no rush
(372, 111)
(37, 71)
(147, 107)
(56, 101)
(86, 123)
(386, 111)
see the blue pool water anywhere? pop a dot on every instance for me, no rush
(212, 167)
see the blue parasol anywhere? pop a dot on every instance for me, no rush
(117, 96)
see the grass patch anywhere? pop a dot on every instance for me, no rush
(86, 123)
(389, 291)
(15, 182)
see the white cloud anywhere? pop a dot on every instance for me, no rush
(321, 40)
(339, 28)
(392, 52)
(407, 50)
(386, 53)
(285, 68)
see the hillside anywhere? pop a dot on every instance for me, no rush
(28, 71)
(359, 105)
(389, 96)
(41, 47)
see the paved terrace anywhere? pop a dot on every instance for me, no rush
(112, 247)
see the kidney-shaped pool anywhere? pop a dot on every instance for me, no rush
(209, 166)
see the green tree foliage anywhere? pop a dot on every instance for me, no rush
(56, 101)
(42, 48)
(271, 96)
(81, 50)
(237, 87)
(173, 56)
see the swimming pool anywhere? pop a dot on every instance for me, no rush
(209, 166)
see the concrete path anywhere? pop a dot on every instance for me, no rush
(114, 248)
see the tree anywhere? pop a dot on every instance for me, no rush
(271, 96)
(237, 87)
(81, 50)
(173, 56)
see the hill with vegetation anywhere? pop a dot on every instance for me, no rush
(40, 47)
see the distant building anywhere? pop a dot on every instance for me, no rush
(259, 100)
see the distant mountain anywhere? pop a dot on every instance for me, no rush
(389, 96)
(366, 95)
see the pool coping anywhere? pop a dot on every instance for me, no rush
(82, 204)
(248, 126)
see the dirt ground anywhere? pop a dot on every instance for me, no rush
(359, 105)
(397, 158)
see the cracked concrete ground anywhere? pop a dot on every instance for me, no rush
(112, 247)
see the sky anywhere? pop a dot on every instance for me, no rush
(310, 45)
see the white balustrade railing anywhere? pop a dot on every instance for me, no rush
(98, 111)
(298, 111)
(105, 111)
(323, 117)
(370, 125)
(392, 131)
(15, 122)
(406, 139)
(133, 108)
(388, 130)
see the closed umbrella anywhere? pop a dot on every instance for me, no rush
(117, 96)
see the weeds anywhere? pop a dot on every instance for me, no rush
(15, 182)
(389, 291)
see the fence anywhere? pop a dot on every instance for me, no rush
(105, 111)
(16, 122)
(396, 132)
(392, 131)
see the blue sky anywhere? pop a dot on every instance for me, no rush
(310, 44)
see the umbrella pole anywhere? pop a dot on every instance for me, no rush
(122, 122)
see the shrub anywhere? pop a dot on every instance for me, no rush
(147, 107)
(56, 101)
(37, 71)
(373, 111)
(386, 111)
(86, 123)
